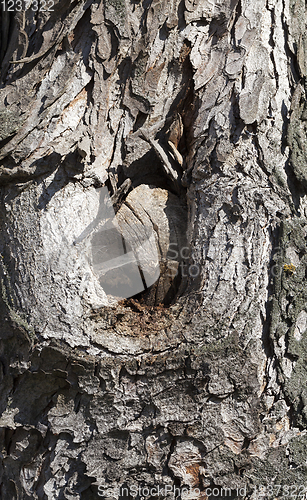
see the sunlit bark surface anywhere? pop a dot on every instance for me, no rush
(192, 114)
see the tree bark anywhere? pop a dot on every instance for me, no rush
(192, 115)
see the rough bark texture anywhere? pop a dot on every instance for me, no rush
(203, 100)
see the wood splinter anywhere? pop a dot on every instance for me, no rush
(169, 170)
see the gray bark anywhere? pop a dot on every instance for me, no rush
(192, 113)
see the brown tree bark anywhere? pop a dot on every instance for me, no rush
(192, 115)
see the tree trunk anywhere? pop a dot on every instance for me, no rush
(153, 249)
